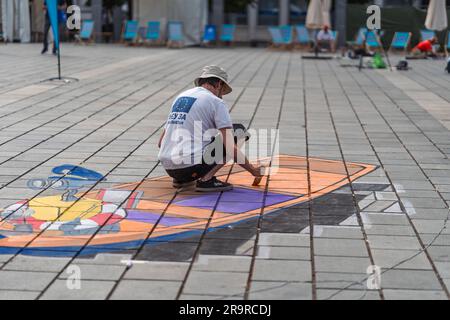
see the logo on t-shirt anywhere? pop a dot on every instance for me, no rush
(180, 109)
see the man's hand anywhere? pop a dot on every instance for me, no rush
(258, 171)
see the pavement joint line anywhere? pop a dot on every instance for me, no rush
(308, 170)
(113, 140)
(386, 173)
(148, 174)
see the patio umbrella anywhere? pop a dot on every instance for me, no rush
(318, 14)
(326, 7)
(436, 15)
(314, 15)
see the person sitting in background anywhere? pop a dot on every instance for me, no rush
(325, 38)
(425, 48)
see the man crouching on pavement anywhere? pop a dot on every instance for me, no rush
(202, 109)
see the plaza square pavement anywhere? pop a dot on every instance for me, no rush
(368, 156)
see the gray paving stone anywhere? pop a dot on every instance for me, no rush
(341, 264)
(88, 290)
(95, 272)
(390, 294)
(18, 295)
(264, 290)
(222, 263)
(340, 247)
(282, 270)
(347, 295)
(146, 290)
(216, 283)
(29, 263)
(25, 280)
(158, 271)
(410, 279)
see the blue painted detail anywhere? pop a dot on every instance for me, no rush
(77, 173)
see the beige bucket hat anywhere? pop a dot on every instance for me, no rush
(215, 72)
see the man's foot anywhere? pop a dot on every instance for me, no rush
(44, 51)
(213, 185)
(176, 184)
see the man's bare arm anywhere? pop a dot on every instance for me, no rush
(234, 152)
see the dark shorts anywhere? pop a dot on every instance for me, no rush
(198, 171)
(191, 173)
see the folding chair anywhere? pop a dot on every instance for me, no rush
(175, 32)
(210, 34)
(302, 35)
(372, 41)
(130, 31)
(87, 32)
(427, 34)
(287, 34)
(153, 34)
(401, 41)
(277, 37)
(227, 34)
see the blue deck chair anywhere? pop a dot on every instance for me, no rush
(87, 31)
(153, 31)
(175, 34)
(401, 41)
(427, 34)
(286, 33)
(277, 36)
(210, 33)
(372, 40)
(359, 38)
(227, 34)
(302, 34)
(130, 31)
(335, 35)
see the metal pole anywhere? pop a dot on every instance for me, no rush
(59, 63)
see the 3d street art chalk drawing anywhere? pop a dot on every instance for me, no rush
(129, 215)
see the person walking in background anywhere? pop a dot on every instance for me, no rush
(62, 5)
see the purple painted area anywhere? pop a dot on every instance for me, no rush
(148, 217)
(239, 200)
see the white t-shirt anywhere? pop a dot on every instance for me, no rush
(325, 36)
(193, 113)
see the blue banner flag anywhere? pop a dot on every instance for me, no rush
(52, 11)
